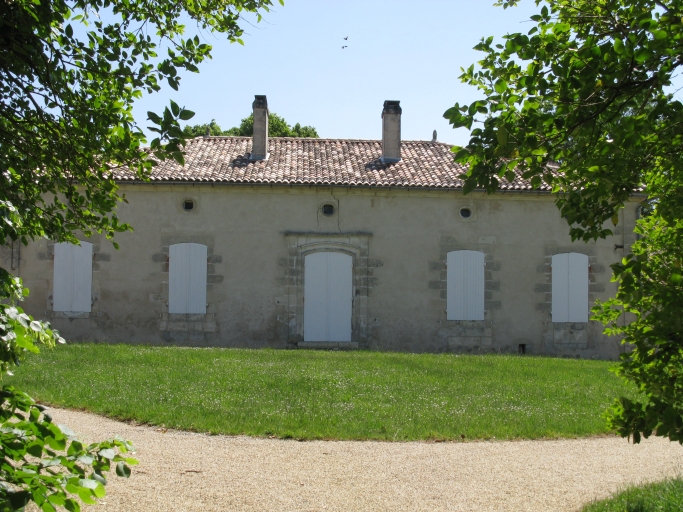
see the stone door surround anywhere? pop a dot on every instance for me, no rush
(354, 244)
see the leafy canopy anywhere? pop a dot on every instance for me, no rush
(70, 71)
(277, 127)
(581, 102)
(68, 82)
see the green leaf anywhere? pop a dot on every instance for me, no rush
(56, 444)
(18, 499)
(66, 430)
(502, 136)
(107, 453)
(641, 55)
(99, 491)
(122, 470)
(153, 117)
(57, 499)
(86, 459)
(500, 86)
(35, 448)
(47, 507)
(99, 478)
(186, 114)
(86, 496)
(618, 46)
(72, 505)
(88, 483)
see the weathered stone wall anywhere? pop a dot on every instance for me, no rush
(257, 238)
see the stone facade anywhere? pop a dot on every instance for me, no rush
(257, 237)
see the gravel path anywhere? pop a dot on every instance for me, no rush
(195, 472)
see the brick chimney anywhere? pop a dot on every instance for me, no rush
(391, 132)
(259, 149)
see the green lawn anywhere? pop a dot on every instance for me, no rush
(664, 496)
(327, 395)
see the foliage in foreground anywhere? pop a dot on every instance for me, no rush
(70, 71)
(41, 461)
(329, 395)
(666, 496)
(581, 103)
(45, 463)
(652, 292)
(277, 127)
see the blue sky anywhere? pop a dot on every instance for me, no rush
(397, 50)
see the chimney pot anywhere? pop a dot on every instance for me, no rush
(259, 149)
(391, 131)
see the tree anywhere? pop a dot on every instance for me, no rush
(581, 102)
(277, 127)
(200, 130)
(70, 71)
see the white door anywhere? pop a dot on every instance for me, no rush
(570, 287)
(72, 290)
(328, 296)
(187, 278)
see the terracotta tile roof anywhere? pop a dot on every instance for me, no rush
(299, 161)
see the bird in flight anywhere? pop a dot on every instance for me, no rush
(346, 38)
(344, 47)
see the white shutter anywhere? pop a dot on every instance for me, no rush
(560, 287)
(62, 291)
(187, 278)
(178, 273)
(578, 287)
(82, 278)
(196, 288)
(315, 297)
(328, 295)
(72, 289)
(340, 285)
(570, 287)
(465, 285)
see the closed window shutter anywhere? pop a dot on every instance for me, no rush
(187, 278)
(62, 292)
(178, 273)
(465, 285)
(196, 288)
(570, 287)
(82, 278)
(72, 290)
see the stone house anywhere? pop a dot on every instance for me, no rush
(322, 243)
